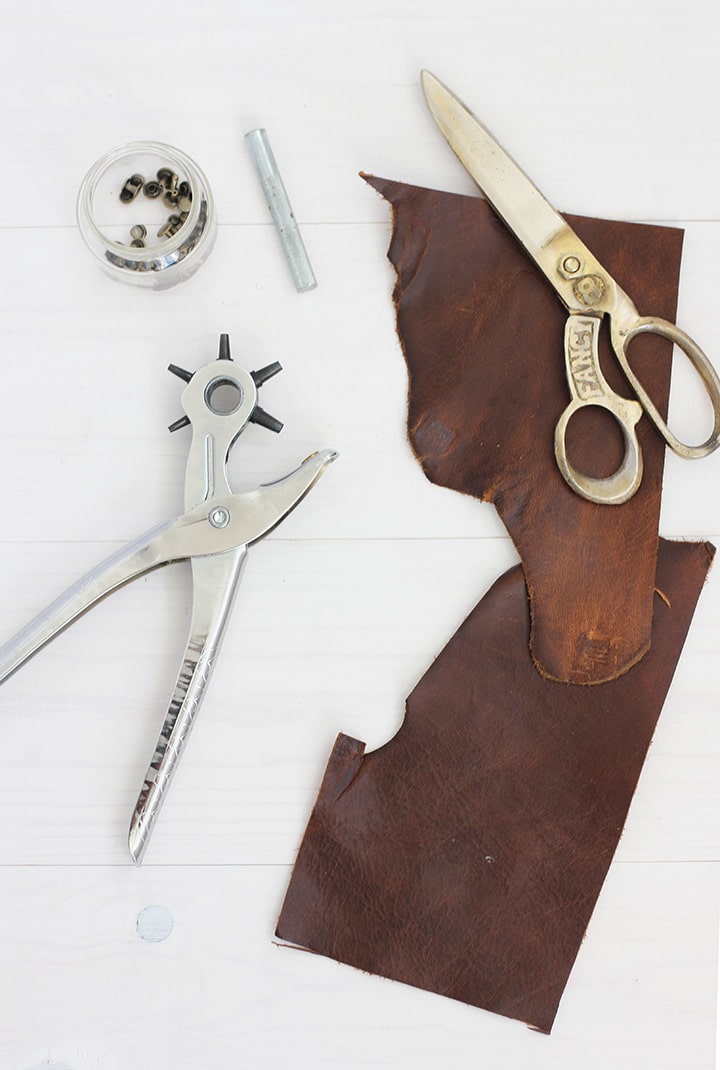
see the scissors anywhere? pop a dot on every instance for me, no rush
(213, 533)
(587, 291)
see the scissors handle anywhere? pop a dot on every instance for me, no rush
(621, 336)
(588, 386)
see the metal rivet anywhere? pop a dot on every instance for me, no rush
(152, 189)
(138, 232)
(173, 225)
(184, 196)
(220, 517)
(132, 187)
(167, 178)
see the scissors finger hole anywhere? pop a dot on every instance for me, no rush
(594, 441)
(699, 380)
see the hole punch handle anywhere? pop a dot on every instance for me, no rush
(588, 386)
(621, 337)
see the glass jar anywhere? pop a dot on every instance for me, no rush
(167, 245)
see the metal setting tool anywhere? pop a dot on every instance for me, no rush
(587, 291)
(213, 533)
(281, 210)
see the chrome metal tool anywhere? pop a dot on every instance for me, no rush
(283, 217)
(587, 291)
(213, 533)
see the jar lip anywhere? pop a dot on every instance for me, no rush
(162, 255)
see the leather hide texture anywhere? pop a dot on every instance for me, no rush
(465, 856)
(482, 333)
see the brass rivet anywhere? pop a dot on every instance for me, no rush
(132, 187)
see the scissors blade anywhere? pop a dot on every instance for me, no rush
(215, 584)
(541, 230)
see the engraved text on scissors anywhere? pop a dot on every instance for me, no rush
(582, 360)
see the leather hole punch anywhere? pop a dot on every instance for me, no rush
(213, 534)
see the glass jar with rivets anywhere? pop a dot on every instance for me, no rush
(145, 210)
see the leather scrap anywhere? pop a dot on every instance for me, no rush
(465, 856)
(482, 333)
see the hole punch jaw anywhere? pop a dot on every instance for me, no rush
(212, 396)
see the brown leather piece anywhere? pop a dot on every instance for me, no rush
(482, 332)
(466, 855)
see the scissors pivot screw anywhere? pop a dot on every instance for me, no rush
(571, 265)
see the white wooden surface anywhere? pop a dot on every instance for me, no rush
(613, 112)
